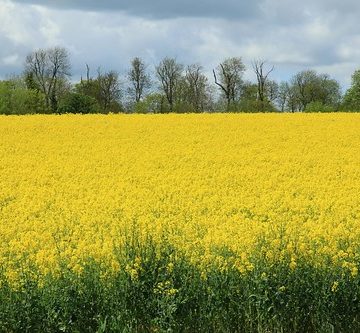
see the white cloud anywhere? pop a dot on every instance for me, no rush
(12, 19)
(289, 34)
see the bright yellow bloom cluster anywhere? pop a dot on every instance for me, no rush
(225, 189)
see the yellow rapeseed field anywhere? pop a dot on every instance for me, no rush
(223, 189)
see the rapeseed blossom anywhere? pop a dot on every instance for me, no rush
(225, 189)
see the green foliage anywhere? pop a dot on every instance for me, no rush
(30, 82)
(152, 103)
(351, 100)
(105, 89)
(310, 87)
(15, 99)
(158, 290)
(78, 103)
(253, 106)
(319, 106)
(89, 88)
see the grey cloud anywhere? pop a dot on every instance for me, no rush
(162, 9)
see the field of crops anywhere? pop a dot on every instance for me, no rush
(211, 223)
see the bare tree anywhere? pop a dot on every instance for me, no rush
(262, 75)
(87, 72)
(169, 73)
(293, 101)
(228, 77)
(271, 90)
(283, 95)
(139, 79)
(48, 68)
(197, 87)
(109, 89)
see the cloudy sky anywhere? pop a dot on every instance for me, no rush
(293, 35)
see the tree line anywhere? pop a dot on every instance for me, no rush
(46, 87)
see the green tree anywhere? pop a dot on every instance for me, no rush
(351, 101)
(319, 106)
(152, 103)
(249, 100)
(105, 89)
(309, 86)
(15, 98)
(78, 103)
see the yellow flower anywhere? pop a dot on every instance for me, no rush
(170, 267)
(292, 264)
(225, 190)
(334, 287)
(354, 271)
